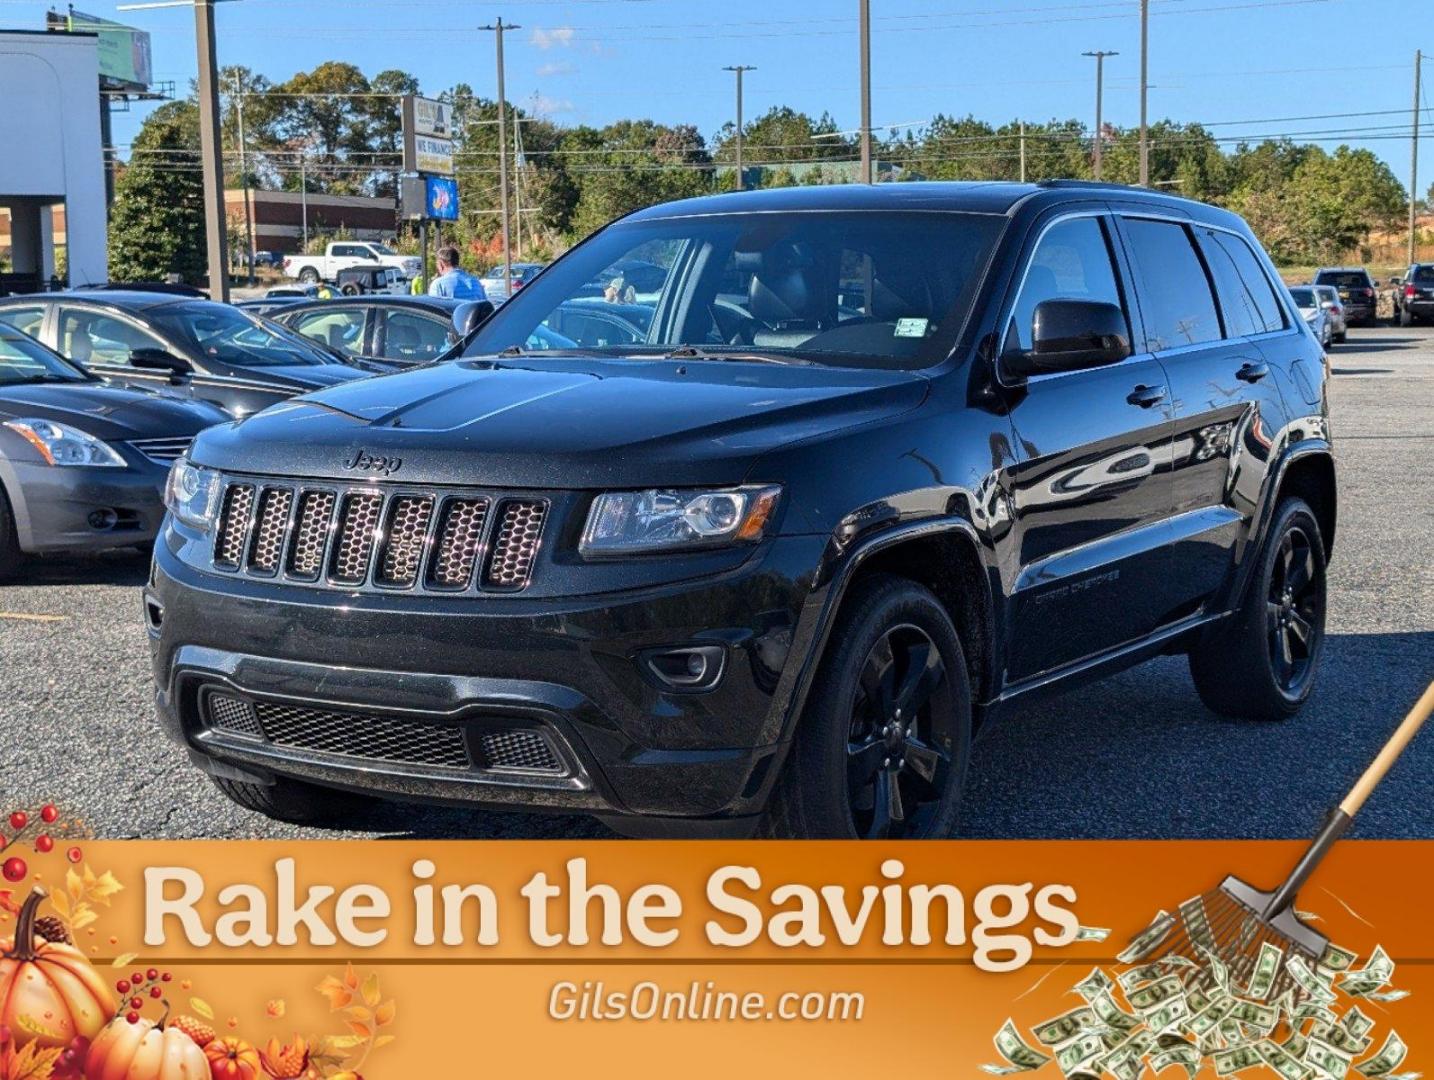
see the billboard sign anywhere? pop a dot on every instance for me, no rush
(125, 56)
(429, 155)
(427, 136)
(441, 198)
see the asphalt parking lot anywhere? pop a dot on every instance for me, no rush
(1135, 756)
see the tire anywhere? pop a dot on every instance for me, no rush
(853, 772)
(309, 276)
(1261, 665)
(293, 801)
(1405, 318)
(10, 554)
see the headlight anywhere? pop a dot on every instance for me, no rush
(60, 444)
(632, 522)
(191, 494)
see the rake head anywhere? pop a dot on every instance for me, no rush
(1232, 925)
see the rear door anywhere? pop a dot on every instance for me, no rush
(411, 337)
(1092, 489)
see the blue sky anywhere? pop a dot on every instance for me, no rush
(593, 61)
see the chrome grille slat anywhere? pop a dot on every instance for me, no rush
(233, 531)
(311, 533)
(405, 540)
(357, 536)
(460, 540)
(163, 451)
(271, 529)
(520, 528)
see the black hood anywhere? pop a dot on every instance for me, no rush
(561, 422)
(308, 376)
(108, 412)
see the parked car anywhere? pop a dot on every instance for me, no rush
(1414, 294)
(368, 278)
(395, 331)
(1356, 291)
(768, 568)
(493, 285)
(1333, 312)
(1313, 312)
(311, 269)
(292, 292)
(268, 305)
(82, 464)
(187, 348)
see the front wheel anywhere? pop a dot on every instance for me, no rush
(882, 748)
(1262, 664)
(309, 276)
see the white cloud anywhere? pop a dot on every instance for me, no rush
(559, 36)
(559, 67)
(547, 106)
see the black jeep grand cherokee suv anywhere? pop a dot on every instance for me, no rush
(875, 465)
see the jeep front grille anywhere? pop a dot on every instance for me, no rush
(371, 537)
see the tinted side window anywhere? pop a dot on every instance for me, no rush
(413, 337)
(1175, 297)
(90, 338)
(338, 328)
(28, 320)
(1256, 281)
(1071, 262)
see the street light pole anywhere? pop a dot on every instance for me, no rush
(499, 28)
(244, 179)
(210, 153)
(740, 69)
(1414, 156)
(865, 17)
(1144, 90)
(1100, 56)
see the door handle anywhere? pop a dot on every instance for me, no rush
(1146, 396)
(1252, 372)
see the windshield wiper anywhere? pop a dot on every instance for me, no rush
(694, 352)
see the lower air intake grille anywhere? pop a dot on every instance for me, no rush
(521, 749)
(516, 544)
(377, 738)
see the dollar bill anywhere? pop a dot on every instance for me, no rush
(1020, 1056)
(1208, 1019)
(1185, 1055)
(1149, 939)
(1092, 933)
(1313, 1010)
(1112, 1015)
(1336, 959)
(1329, 1060)
(1296, 1044)
(1336, 1035)
(1094, 984)
(1217, 969)
(1281, 1060)
(1308, 981)
(1387, 995)
(1355, 1022)
(1197, 998)
(1067, 1026)
(1168, 1015)
(1375, 974)
(1267, 966)
(1081, 1051)
(1391, 1055)
(1151, 996)
(1235, 1059)
(1262, 1017)
(1197, 923)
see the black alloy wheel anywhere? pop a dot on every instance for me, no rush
(1294, 609)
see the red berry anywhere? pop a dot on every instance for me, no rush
(152, 974)
(166, 977)
(155, 992)
(137, 978)
(44, 844)
(136, 1003)
(122, 986)
(48, 813)
(14, 869)
(74, 854)
(132, 1017)
(19, 819)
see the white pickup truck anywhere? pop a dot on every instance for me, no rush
(311, 269)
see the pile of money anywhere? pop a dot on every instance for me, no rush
(1300, 1019)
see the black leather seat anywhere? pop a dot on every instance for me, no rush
(784, 295)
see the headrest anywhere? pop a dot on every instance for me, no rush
(783, 291)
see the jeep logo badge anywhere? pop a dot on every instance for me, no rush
(363, 461)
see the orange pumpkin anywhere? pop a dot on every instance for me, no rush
(144, 1051)
(49, 993)
(233, 1059)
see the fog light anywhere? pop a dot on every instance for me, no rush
(690, 667)
(103, 520)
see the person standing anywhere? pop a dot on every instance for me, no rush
(452, 280)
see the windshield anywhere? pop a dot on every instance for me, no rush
(1304, 298)
(25, 360)
(860, 289)
(232, 336)
(1422, 275)
(1344, 279)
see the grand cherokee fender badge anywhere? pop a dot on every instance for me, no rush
(363, 461)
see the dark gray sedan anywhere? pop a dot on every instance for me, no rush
(82, 463)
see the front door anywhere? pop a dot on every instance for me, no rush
(104, 344)
(1092, 485)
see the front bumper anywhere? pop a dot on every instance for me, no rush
(67, 509)
(572, 670)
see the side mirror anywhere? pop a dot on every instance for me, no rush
(468, 317)
(159, 360)
(1068, 335)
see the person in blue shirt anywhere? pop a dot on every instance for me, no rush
(452, 280)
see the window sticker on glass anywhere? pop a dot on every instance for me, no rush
(911, 327)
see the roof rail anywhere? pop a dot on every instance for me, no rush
(1091, 184)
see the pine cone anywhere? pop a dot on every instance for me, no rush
(52, 929)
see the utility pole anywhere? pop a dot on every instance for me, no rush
(1023, 151)
(244, 178)
(1144, 89)
(304, 195)
(739, 69)
(1100, 56)
(499, 28)
(1414, 156)
(865, 17)
(210, 153)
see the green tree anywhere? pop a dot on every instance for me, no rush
(157, 223)
(324, 109)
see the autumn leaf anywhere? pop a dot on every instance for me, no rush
(123, 960)
(74, 885)
(337, 993)
(276, 1008)
(103, 888)
(359, 1013)
(202, 1007)
(31, 1062)
(363, 1031)
(371, 993)
(84, 915)
(351, 979)
(383, 1040)
(335, 1044)
(384, 1014)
